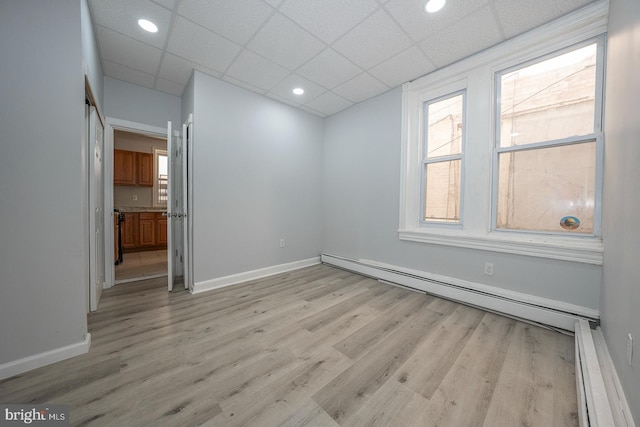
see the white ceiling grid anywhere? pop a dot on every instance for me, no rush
(340, 51)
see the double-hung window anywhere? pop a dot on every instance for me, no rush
(503, 151)
(548, 148)
(442, 159)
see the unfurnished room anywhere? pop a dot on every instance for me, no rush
(319, 213)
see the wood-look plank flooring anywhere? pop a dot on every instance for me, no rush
(313, 347)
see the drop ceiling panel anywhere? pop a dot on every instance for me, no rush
(126, 74)
(223, 16)
(256, 70)
(169, 4)
(244, 85)
(179, 70)
(284, 89)
(285, 43)
(329, 69)
(138, 55)
(360, 88)
(167, 86)
(405, 66)
(419, 24)
(519, 16)
(373, 41)
(475, 33)
(122, 16)
(196, 44)
(328, 19)
(329, 103)
(340, 51)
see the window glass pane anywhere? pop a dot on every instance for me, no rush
(444, 132)
(550, 100)
(442, 191)
(544, 188)
(162, 165)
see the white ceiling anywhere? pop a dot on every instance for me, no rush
(340, 51)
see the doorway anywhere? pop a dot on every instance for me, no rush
(140, 179)
(145, 224)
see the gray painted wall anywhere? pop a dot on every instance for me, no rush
(620, 304)
(42, 120)
(139, 104)
(90, 55)
(361, 194)
(257, 178)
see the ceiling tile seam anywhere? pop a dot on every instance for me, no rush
(124, 35)
(377, 9)
(496, 16)
(359, 75)
(310, 99)
(336, 94)
(172, 22)
(385, 59)
(404, 31)
(211, 31)
(130, 67)
(416, 46)
(164, 7)
(362, 70)
(290, 70)
(253, 36)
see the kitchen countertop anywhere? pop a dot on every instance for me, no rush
(140, 209)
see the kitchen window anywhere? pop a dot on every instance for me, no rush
(161, 177)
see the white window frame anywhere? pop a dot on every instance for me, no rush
(157, 152)
(596, 135)
(477, 74)
(426, 160)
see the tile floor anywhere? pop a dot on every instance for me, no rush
(142, 265)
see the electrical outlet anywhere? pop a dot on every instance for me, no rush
(282, 243)
(135, 197)
(488, 268)
(629, 348)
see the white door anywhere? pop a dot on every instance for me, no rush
(178, 224)
(96, 209)
(171, 161)
(186, 220)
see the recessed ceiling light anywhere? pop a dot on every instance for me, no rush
(148, 25)
(298, 91)
(434, 5)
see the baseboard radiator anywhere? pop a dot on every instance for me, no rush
(601, 401)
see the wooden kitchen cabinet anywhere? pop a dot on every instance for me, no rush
(147, 228)
(132, 168)
(130, 230)
(161, 229)
(145, 169)
(124, 167)
(142, 231)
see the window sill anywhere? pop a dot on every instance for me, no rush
(582, 249)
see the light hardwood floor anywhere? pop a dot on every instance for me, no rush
(313, 347)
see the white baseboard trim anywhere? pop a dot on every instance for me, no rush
(29, 363)
(235, 279)
(524, 306)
